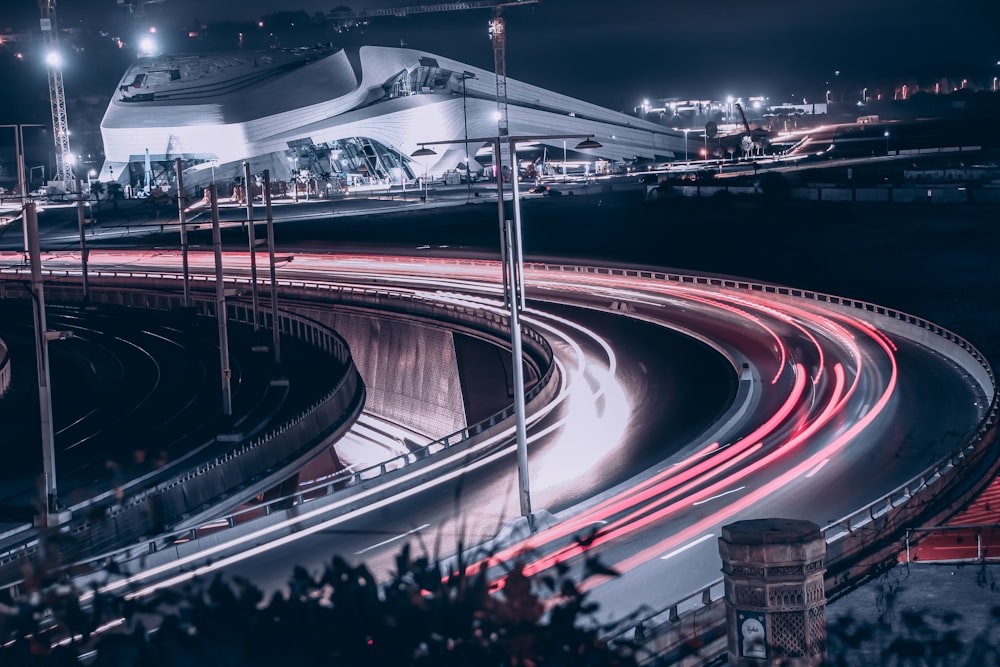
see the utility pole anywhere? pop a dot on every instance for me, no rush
(276, 336)
(253, 247)
(220, 308)
(51, 499)
(83, 241)
(182, 219)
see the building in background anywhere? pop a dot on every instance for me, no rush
(335, 119)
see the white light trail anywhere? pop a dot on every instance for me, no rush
(687, 546)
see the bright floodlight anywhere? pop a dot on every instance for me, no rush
(147, 45)
(53, 58)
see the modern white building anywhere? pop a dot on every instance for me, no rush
(343, 116)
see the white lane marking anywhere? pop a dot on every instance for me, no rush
(818, 467)
(392, 539)
(687, 546)
(724, 493)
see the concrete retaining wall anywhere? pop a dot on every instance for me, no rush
(409, 369)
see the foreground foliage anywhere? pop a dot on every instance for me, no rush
(424, 615)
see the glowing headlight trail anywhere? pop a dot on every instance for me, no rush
(631, 522)
(837, 401)
(484, 276)
(773, 486)
(646, 515)
(668, 479)
(802, 469)
(641, 507)
(635, 522)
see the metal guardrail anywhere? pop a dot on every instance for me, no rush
(975, 531)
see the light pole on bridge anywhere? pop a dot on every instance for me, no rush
(513, 269)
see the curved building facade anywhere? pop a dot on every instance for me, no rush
(343, 116)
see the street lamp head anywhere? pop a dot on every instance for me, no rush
(423, 151)
(588, 143)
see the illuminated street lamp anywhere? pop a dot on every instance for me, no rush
(423, 151)
(465, 122)
(685, 131)
(22, 179)
(886, 134)
(294, 161)
(513, 271)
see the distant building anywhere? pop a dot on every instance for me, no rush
(341, 116)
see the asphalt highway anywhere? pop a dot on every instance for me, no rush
(756, 241)
(825, 396)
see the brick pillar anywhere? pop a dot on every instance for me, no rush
(775, 598)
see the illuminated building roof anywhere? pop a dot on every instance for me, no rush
(274, 108)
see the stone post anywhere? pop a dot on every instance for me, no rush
(775, 597)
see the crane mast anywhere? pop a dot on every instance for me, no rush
(498, 35)
(57, 97)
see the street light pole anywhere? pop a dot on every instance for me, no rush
(51, 500)
(511, 259)
(253, 248)
(182, 220)
(83, 238)
(402, 171)
(275, 334)
(465, 121)
(220, 308)
(564, 161)
(22, 180)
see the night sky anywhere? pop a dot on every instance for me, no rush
(617, 53)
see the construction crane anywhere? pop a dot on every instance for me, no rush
(57, 97)
(497, 31)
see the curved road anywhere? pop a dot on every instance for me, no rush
(828, 414)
